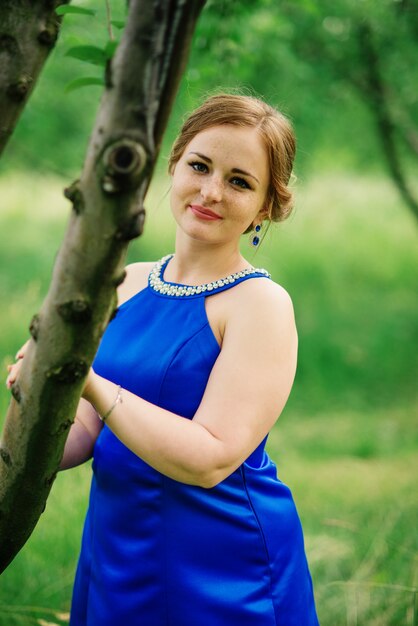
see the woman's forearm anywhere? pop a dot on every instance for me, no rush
(177, 447)
(82, 436)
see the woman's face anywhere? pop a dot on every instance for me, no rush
(220, 184)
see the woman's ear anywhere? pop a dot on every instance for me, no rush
(172, 168)
(262, 215)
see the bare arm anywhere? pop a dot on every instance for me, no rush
(82, 436)
(246, 392)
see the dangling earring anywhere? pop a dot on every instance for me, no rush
(256, 239)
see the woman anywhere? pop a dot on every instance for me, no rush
(188, 523)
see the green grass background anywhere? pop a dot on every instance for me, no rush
(347, 440)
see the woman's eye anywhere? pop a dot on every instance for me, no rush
(198, 166)
(240, 182)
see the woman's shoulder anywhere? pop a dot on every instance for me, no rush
(260, 295)
(264, 304)
(136, 280)
(256, 305)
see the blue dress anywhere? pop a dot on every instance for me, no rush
(155, 551)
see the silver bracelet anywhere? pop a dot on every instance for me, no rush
(118, 400)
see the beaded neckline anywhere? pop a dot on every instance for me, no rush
(158, 284)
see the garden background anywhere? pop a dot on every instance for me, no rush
(347, 440)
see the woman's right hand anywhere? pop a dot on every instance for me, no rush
(14, 368)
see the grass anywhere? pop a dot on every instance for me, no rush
(347, 441)
(358, 513)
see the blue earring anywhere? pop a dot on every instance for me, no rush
(256, 240)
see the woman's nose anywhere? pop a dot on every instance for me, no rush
(212, 189)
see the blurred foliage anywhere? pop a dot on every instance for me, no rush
(306, 58)
(303, 57)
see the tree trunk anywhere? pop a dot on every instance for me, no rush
(107, 213)
(375, 92)
(28, 32)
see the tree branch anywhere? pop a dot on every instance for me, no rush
(28, 32)
(376, 96)
(107, 213)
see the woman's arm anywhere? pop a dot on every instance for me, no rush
(82, 436)
(246, 392)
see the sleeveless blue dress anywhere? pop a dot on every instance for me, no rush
(157, 552)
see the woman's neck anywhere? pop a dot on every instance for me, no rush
(195, 263)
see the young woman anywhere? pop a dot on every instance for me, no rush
(188, 523)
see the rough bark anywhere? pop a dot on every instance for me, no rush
(107, 213)
(28, 32)
(375, 92)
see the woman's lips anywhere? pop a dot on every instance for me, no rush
(204, 213)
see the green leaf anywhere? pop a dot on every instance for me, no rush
(84, 81)
(118, 23)
(89, 54)
(110, 48)
(64, 9)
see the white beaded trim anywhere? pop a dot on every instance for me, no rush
(170, 289)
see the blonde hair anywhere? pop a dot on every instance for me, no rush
(274, 128)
